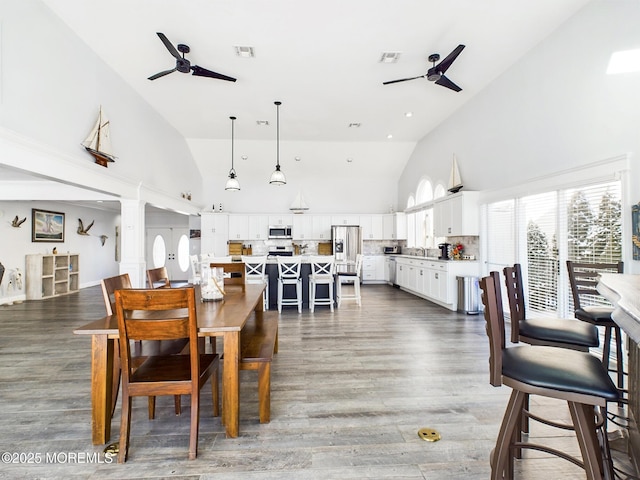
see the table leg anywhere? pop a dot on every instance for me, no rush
(231, 384)
(101, 388)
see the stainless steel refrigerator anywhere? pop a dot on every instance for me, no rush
(347, 244)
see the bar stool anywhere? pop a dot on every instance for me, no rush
(289, 274)
(594, 309)
(322, 273)
(577, 377)
(256, 272)
(350, 277)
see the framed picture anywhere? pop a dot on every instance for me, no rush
(47, 226)
(635, 237)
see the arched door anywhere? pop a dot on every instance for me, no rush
(169, 247)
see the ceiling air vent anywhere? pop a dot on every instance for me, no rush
(390, 57)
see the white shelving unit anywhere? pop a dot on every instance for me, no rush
(52, 275)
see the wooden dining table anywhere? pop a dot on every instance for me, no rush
(224, 318)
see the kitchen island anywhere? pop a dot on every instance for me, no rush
(623, 290)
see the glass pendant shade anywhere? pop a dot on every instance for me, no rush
(277, 177)
(232, 183)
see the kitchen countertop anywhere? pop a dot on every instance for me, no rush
(418, 257)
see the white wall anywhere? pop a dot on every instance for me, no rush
(96, 261)
(323, 175)
(51, 87)
(554, 110)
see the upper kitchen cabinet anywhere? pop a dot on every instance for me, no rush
(321, 227)
(394, 226)
(457, 215)
(345, 220)
(238, 227)
(302, 227)
(372, 227)
(258, 227)
(281, 220)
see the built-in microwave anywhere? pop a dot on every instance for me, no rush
(279, 231)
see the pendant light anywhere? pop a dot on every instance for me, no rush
(232, 182)
(277, 177)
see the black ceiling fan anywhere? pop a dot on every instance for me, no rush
(183, 65)
(436, 72)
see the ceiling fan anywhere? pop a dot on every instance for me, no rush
(436, 72)
(183, 65)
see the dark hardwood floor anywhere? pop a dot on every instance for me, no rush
(350, 390)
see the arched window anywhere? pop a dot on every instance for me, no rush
(439, 191)
(424, 193)
(411, 201)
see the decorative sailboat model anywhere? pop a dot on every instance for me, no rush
(455, 182)
(299, 205)
(98, 143)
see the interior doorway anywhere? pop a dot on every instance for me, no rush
(169, 247)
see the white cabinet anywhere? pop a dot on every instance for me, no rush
(373, 269)
(345, 220)
(372, 227)
(214, 228)
(52, 275)
(302, 227)
(281, 220)
(322, 227)
(457, 215)
(238, 227)
(394, 226)
(258, 227)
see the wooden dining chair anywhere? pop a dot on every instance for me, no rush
(576, 377)
(150, 314)
(158, 278)
(234, 272)
(109, 287)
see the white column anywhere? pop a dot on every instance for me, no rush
(132, 242)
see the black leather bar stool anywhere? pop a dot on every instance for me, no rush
(584, 279)
(577, 377)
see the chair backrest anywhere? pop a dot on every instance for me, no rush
(584, 278)
(255, 266)
(157, 314)
(195, 267)
(322, 265)
(234, 272)
(158, 278)
(109, 286)
(289, 267)
(515, 295)
(494, 316)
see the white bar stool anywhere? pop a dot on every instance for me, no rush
(255, 268)
(289, 274)
(350, 277)
(322, 273)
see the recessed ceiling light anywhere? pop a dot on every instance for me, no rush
(408, 114)
(297, 159)
(624, 62)
(244, 157)
(354, 125)
(390, 57)
(389, 136)
(349, 160)
(262, 123)
(244, 52)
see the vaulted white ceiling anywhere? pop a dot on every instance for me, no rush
(321, 59)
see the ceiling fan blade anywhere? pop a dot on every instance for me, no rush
(162, 74)
(445, 82)
(169, 45)
(402, 80)
(203, 72)
(446, 63)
